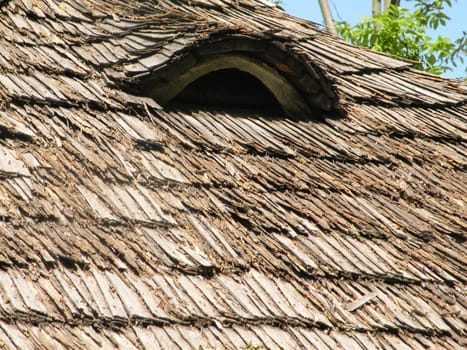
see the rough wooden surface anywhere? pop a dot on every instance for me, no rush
(127, 225)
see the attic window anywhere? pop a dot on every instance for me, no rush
(229, 88)
(230, 79)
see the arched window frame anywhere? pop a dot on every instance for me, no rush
(298, 85)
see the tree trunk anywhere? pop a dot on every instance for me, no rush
(327, 16)
(387, 3)
(376, 7)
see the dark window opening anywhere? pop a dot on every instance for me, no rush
(228, 88)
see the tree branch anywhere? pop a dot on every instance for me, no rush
(327, 16)
(376, 8)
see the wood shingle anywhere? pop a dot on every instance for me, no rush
(128, 223)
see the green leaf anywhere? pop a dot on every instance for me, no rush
(402, 32)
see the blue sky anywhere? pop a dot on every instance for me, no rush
(352, 10)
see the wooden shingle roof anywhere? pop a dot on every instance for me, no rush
(128, 225)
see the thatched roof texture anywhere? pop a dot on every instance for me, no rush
(128, 225)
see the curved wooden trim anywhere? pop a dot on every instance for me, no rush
(286, 94)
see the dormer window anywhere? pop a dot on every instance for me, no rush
(240, 72)
(271, 85)
(228, 88)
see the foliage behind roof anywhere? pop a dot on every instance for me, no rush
(128, 225)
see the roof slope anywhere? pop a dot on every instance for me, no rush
(126, 225)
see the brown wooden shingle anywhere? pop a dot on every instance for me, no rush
(125, 224)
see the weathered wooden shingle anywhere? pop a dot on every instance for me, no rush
(125, 224)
